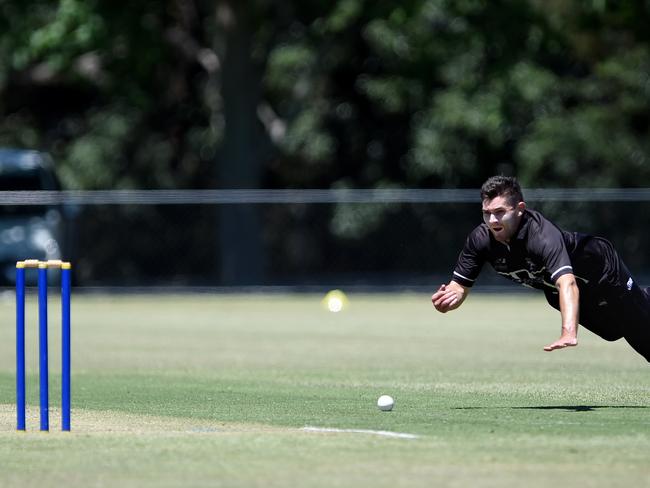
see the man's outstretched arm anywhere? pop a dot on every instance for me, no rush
(449, 297)
(569, 309)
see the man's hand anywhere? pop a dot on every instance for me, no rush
(567, 340)
(569, 307)
(448, 297)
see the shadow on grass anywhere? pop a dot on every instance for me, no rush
(569, 408)
(578, 408)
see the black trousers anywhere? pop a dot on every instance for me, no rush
(612, 305)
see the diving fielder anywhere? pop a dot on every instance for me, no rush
(582, 276)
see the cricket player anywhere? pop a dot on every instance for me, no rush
(582, 276)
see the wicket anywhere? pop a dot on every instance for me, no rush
(43, 344)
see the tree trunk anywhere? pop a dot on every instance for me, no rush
(240, 165)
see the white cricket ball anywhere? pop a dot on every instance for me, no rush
(385, 403)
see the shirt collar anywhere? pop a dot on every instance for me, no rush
(522, 232)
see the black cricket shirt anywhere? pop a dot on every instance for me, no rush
(536, 256)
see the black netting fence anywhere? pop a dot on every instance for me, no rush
(397, 240)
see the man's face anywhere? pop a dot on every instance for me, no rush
(502, 218)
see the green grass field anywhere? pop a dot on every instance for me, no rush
(216, 391)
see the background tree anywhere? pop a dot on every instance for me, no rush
(355, 93)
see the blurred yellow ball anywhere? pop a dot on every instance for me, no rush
(335, 301)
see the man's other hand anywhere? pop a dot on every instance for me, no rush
(446, 298)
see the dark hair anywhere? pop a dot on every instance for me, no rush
(502, 186)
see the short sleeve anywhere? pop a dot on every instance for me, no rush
(472, 257)
(550, 247)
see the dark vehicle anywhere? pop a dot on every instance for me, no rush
(27, 231)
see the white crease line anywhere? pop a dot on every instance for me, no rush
(383, 433)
